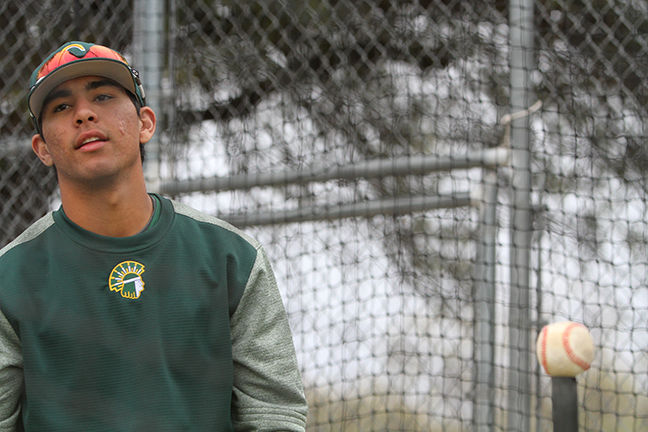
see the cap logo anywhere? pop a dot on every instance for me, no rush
(76, 50)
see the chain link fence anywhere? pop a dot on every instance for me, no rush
(377, 148)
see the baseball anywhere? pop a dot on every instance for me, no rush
(565, 349)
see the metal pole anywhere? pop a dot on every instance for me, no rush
(147, 40)
(522, 64)
(391, 206)
(484, 297)
(564, 401)
(370, 169)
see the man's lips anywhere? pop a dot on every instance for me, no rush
(90, 141)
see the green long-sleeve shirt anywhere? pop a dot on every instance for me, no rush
(180, 327)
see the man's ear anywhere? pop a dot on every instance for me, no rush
(148, 121)
(40, 148)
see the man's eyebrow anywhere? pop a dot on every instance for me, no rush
(101, 83)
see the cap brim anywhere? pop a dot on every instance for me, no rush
(102, 67)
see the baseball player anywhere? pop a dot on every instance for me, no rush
(124, 310)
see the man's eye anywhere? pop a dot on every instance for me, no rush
(60, 107)
(103, 97)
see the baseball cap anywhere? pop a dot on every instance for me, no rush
(76, 59)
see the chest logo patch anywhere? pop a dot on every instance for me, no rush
(126, 278)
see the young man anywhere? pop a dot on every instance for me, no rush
(123, 310)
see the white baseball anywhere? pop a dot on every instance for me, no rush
(565, 349)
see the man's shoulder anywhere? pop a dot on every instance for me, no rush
(198, 216)
(33, 232)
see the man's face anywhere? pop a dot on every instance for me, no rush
(91, 131)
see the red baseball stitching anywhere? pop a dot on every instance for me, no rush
(543, 350)
(570, 353)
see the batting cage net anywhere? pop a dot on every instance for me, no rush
(434, 181)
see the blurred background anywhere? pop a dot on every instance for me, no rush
(434, 180)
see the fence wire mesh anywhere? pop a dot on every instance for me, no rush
(382, 273)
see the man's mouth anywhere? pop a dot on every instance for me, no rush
(90, 141)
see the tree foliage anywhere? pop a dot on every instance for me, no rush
(352, 65)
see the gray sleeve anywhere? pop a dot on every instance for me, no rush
(268, 392)
(11, 376)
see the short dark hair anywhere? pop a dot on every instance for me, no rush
(138, 106)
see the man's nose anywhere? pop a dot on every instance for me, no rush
(84, 112)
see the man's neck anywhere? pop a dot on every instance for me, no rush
(108, 211)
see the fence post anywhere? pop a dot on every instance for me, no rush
(484, 298)
(521, 66)
(148, 35)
